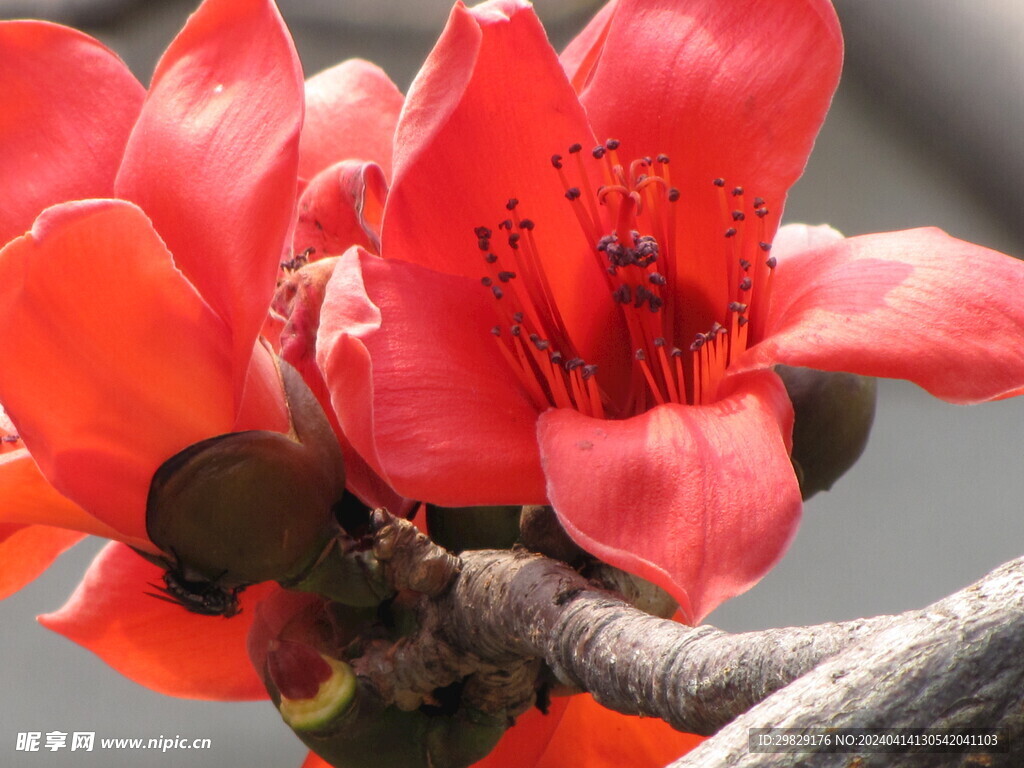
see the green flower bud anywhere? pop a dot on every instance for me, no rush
(834, 413)
(247, 507)
(461, 528)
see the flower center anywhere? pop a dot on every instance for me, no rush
(679, 347)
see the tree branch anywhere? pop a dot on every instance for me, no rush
(954, 664)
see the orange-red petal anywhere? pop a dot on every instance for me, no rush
(591, 736)
(27, 550)
(341, 207)
(213, 158)
(351, 112)
(112, 361)
(67, 104)
(155, 643)
(700, 500)
(916, 305)
(420, 387)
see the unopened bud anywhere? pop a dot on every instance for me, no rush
(833, 417)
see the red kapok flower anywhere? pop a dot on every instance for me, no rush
(591, 324)
(131, 325)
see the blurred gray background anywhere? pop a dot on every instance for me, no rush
(926, 129)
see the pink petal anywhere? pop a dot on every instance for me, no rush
(351, 112)
(155, 643)
(67, 104)
(263, 405)
(213, 158)
(916, 305)
(112, 361)
(702, 501)
(27, 550)
(341, 207)
(420, 386)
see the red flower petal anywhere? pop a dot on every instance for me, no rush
(263, 405)
(30, 499)
(155, 643)
(482, 120)
(702, 501)
(112, 362)
(27, 550)
(471, 443)
(581, 55)
(734, 90)
(213, 158)
(351, 112)
(916, 305)
(591, 736)
(67, 104)
(341, 207)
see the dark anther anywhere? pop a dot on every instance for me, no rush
(641, 296)
(743, 320)
(765, 247)
(598, 152)
(746, 283)
(647, 160)
(656, 278)
(612, 144)
(641, 355)
(736, 306)
(660, 341)
(516, 330)
(622, 294)
(719, 182)
(496, 330)
(498, 293)
(573, 193)
(556, 358)
(655, 302)
(486, 281)
(716, 329)
(575, 148)
(484, 244)
(490, 258)
(744, 265)
(738, 216)
(663, 159)
(511, 204)
(556, 160)
(526, 224)
(737, 191)
(676, 352)
(588, 371)
(513, 240)
(758, 202)
(673, 195)
(572, 365)
(482, 232)
(761, 212)
(730, 232)
(771, 262)
(517, 317)
(698, 342)
(541, 344)
(506, 224)
(505, 276)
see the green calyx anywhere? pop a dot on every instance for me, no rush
(460, 528)
(253, 506)
(833, 417)
(332, 700)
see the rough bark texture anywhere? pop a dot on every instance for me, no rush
(955, 664)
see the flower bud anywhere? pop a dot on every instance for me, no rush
(833, 417)
(247, 507)
(461, 528)
(540, 531)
